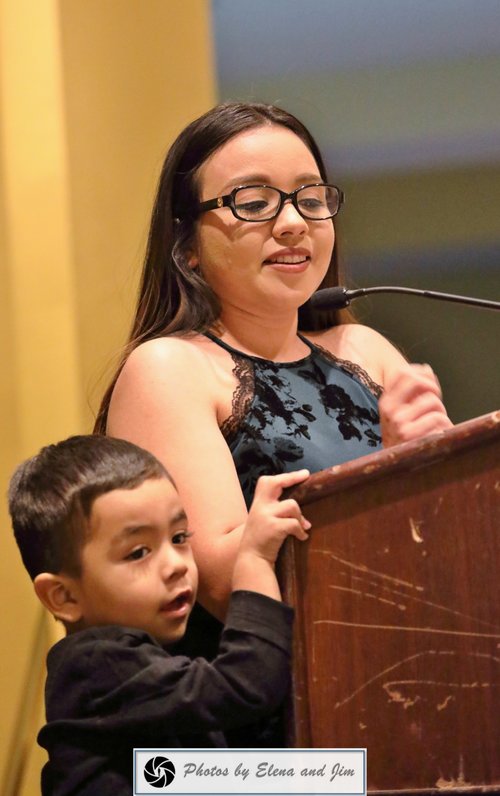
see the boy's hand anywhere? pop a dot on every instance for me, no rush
(270, 519)
(269, 522)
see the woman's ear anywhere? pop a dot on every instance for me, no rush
(59, 595)
(191, 253)
(192, 259)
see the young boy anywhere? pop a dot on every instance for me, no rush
(103, 536)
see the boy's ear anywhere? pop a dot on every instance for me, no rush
(59, 596)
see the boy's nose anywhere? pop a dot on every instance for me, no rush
(173, 565)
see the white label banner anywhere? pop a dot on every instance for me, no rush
(250, 771)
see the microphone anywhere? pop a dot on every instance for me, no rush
(336, 298)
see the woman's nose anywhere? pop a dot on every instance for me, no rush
(289, 220)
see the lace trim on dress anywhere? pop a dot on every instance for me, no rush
(354, 370)
(242, 397)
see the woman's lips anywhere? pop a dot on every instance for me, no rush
(289, 263)
(294, 259)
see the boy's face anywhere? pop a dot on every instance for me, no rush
(138, 568)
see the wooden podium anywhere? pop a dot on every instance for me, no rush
(397, 598)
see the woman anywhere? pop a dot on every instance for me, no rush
(216, 380)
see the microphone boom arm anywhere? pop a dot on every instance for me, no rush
(339, 297)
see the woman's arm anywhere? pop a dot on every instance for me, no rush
(411, 405)
(165, 400)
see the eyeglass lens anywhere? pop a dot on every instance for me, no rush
(260, 203)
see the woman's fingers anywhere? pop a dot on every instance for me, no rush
(411, 381)
(411, 406)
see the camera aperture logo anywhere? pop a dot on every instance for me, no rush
(159, 771)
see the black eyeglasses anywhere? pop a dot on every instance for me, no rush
(316, 202)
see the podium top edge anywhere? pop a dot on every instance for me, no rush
(405, 456)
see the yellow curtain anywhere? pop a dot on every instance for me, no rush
(91, 95)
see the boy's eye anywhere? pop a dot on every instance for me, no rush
(181, 537)
(137, 554)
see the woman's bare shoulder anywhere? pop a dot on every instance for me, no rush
(167, 370)
(188, 361)
(171, 351)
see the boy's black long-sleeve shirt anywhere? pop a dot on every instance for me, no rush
(111, 688)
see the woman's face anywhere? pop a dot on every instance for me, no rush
(270, 266)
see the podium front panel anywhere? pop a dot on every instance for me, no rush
(397, 644)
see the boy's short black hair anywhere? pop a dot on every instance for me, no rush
(51, 496)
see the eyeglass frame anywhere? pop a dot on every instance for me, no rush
(227, 200)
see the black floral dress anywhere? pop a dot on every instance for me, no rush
(316, 412)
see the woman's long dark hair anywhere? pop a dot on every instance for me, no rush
(174, 297)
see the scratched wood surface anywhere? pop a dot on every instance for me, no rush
(397, 596)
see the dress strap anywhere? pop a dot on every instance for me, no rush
(226, 346)
(312, 346)
(259, 360)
